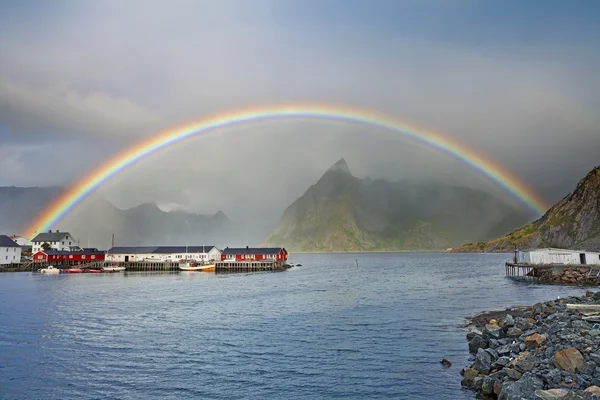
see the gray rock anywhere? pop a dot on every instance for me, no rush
(595, 357)
(596, 296)
(580, 324)
(493, 353)
(514, 332)
(594, 333)
(501, 362)
(488, 384)
(504, 349)
(492, 332)
(478, 383)
(478, 342)
(552, 394)
(483, 362)
(508, 321)
(493, 344)
(522, 389)
(568, 379)
(554, 377)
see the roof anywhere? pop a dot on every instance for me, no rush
(5, 241)
(50, 236)
(160, 249)
(252, 250)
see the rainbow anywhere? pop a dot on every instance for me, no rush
(69, 200)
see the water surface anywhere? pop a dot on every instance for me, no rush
(328, 329)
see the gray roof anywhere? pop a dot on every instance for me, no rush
(5, 241)
(252, 250)
(159, 249)
(50, 236)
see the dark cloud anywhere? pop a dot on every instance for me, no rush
(89, 79)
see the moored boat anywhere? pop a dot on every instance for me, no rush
(75, 270)
(188, 265)
(113, 268)
(49, 270)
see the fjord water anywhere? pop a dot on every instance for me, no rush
(328, 329)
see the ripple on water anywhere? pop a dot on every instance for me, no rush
(324, 330)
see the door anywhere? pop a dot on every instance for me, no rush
(126, 258)
(581, 258)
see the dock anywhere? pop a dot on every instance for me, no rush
(245, 266)
(579, 274)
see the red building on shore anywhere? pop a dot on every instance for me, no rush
(68, 257)
(248, 254)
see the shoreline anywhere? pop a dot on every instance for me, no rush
(550, 350)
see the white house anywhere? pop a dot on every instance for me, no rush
(20, 240)
(163, 253)
(559, 256)
(61, 241)
(10, 251)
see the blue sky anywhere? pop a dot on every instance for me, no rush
(515, 80)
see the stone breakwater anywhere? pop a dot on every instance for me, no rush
(547, 351)
(570, 276)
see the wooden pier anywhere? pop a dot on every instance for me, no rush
(230, 267)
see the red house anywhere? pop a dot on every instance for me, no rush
(68, 257)
(242, 254)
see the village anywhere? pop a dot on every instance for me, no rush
(61, 250)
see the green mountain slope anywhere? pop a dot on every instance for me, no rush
(573, 222)
(344, 213)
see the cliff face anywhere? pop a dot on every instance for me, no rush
(345, 213)
(573, 222)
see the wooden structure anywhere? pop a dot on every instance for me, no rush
(249, 266)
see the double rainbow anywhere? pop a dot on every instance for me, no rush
(69, 200)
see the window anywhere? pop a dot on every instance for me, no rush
(83, 257)
(93, 257)
(7, 257)
(69, 243)
(63, 243)
(70, 256)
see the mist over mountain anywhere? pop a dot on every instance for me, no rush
(344, 213)
(94, 222)
(573, 222)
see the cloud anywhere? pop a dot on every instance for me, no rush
(108, 74)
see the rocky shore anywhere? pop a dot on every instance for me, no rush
(550, 350)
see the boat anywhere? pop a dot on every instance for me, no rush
(75, 270)
(94, 271)
(114, 267)
(49, 270)
(191, 265)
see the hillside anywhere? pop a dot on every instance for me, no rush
(573, 222)
(344, 213)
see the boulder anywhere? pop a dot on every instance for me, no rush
(488, 384)
(535, 340)
(508, 322)
(595, 358)
(569, 360)
(469, 377)
(514, 332)
(524, 388)
(594, 389)
(483, 362)
(513, 374)
(551, 394)
(478, 342)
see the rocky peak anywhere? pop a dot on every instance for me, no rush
(341, 166)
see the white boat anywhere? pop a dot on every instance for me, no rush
(50, 270)
(190, 265)
(113, 268)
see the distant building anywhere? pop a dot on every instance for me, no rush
(241, 254)
(20, 240)
(61, 241)
(68, 257)
(163, 253)
(10, 251)
(558, 256)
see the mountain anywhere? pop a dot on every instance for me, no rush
(96, 220)
(573, 222)
(344, 213)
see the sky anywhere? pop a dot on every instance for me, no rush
(516, 81)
